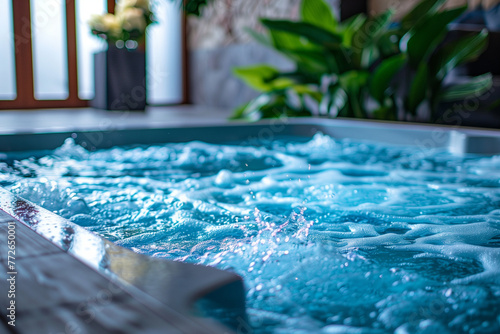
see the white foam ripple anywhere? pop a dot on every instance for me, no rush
(330, 236)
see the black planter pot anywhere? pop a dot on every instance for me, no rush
(120, 79)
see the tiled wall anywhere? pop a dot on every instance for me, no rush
(223, 21)
(402, 6)
(211, 80)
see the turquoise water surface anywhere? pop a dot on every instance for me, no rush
(331, 236)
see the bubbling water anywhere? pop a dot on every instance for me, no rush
(331, 236)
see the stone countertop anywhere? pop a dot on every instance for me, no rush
(64, 120)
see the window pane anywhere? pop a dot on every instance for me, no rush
(7, 56)
(164, 54)
(50, 61)
(87, 45)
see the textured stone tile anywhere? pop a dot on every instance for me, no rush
(223, 22)
(212, 82)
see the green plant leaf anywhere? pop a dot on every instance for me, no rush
(353, 82)
(274, 109)
(474, 88)
(239, 112)
(420, 11)
(251, 111)
(308, 57)
(283, 40)
(261, 38)
(263, 78)
(193, 7)
(267, 105)
(458, 52)
(306, 90)
(383, 75)
(319, 13)
(426, 36)
(365, 39)
(371, 29)
(493, 106)
(418, 88)
(311, 60)
(349, 27)
(388, 43)
(333, 101)
(313, 33)
(386, 111)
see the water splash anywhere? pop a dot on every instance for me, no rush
(331, 236)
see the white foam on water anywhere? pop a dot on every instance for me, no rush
(331, 236)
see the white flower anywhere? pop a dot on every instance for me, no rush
(113, 25)
(95, 22)
(122, 5)
(131, 16)
(144, 4)
(108, 24)
(132, 19)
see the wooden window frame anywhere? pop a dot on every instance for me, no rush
(25, 97)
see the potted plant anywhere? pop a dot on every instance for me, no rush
(120, 71)
(365, 67)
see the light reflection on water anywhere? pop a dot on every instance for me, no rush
(330, 236)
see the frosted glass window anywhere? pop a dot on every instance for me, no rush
(87, 45)
(164, 54)
(7, 56)
(50, 60)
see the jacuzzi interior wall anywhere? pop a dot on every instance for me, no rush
(457, 140)
(401, 134)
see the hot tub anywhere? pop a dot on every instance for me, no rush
(354, 256)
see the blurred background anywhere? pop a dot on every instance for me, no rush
(48, 48)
